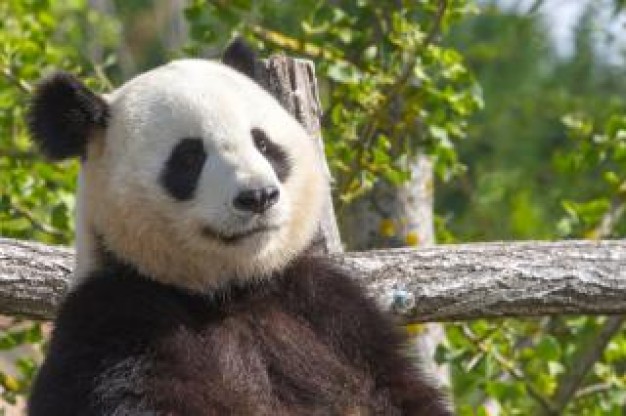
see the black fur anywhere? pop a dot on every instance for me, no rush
(307, 342)
(273, 153)
(240, 56)
(182, 170)
(62, 115)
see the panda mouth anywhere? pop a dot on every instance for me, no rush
(236, 238)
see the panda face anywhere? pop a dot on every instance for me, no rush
(200, 178)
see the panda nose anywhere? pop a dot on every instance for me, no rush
(257, 200)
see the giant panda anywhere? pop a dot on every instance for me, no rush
(195, 292)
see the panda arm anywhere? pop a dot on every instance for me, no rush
(339, 310)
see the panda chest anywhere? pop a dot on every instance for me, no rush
(264, 356)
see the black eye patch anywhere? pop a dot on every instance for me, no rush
(182, 170)
(273, 153)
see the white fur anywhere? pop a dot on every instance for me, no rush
(122, 200)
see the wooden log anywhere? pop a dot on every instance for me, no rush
(33, 278)
(460, 282)
(439, 283)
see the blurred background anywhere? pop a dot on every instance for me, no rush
(506, 116)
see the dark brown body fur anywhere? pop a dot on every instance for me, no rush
(307, 342)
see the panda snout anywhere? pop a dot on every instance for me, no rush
(258, 200)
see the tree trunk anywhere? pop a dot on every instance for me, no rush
(395, 217)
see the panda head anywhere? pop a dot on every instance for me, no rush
(191, 173)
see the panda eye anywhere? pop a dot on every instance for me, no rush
(183, 168)
(273, 152)
(189, 154)
(260, 140)
(189, 158)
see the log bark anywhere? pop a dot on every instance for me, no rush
(33, 278)
(439, 283)
(488, 280)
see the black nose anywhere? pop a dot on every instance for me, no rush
(257, 200)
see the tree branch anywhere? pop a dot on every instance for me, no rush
(611, 218)
(582, 363)
(19, 83)
(38, 225)
(499, 279)
(441, 283)
(376, 115)
(510, 367)
(534, 8)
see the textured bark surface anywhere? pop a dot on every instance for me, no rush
(33, 277)
(459, 282)
(440, 283)
(409, 206)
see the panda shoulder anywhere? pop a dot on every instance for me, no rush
(107, 305)
(321, 283)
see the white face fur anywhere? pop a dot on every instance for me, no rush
(169, 209)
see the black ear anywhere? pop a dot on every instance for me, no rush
(62, 115)
(240, 56)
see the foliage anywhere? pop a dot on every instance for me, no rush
(601, 155)
(547, 161)
(523, 366)
(390, 88)
(515, 184)
(37, 198)
(17, 382)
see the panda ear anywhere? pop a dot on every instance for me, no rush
(240, 56)
(62, 115)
